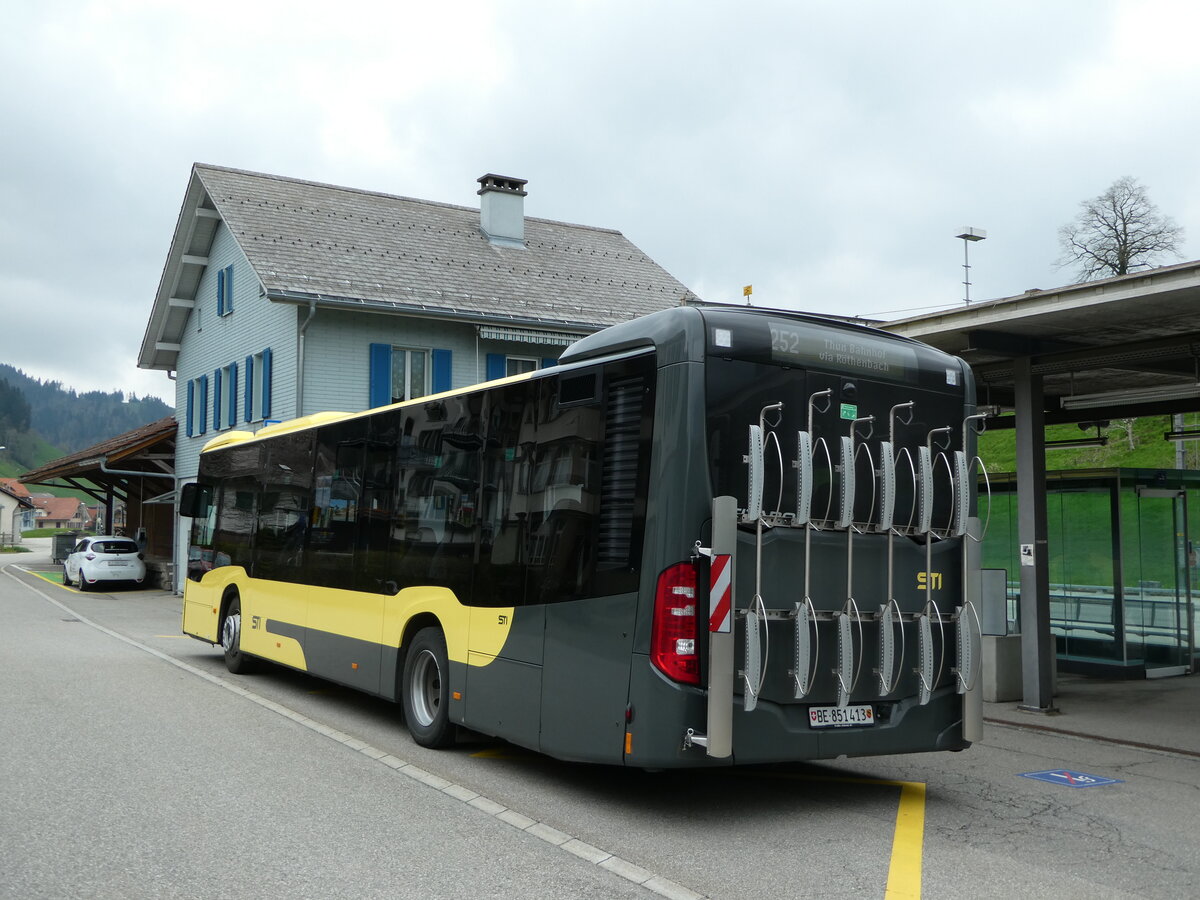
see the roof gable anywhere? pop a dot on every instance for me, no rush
(14, 487)
(367, 250)
(19, 493)
(60, 508)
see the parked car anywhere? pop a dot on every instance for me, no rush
(103, 558)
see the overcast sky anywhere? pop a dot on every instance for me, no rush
(826, 152)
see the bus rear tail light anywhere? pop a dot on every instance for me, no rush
(673, 635)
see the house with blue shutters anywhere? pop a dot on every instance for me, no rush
(281, 298)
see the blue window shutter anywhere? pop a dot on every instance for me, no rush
(229, 292)
(233, 394)
(441, 370)
(203, 404)
(497, 366)
(191, 390)
(220, 292)
(249, 398)
(266, 383)
(549, 361)
(217, 400)
(379, 389)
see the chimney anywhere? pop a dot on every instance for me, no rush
(502, 210)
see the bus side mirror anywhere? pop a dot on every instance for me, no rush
(195, 500)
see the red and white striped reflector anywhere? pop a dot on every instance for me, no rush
(720, 594)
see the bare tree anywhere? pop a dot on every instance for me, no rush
(1117, 232)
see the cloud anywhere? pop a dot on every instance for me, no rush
(826, 153)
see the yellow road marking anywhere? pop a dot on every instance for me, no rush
(48, 580)
(908, 838)
(908, 842)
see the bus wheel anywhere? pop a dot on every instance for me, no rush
(426, 690)
(231, 639)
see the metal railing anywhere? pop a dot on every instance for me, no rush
(1152, 614)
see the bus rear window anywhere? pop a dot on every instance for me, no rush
(738, 391)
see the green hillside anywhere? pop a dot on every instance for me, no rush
(41, 421)
(997, 448)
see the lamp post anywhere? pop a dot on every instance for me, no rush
(968, 236)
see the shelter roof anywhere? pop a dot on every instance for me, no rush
(1123, 346)
(148, 451)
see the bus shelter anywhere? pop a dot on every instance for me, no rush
(1120, 347)
(1123, 576)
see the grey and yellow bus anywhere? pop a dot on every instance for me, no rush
(713, 535)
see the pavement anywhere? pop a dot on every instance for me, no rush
(1156, 714)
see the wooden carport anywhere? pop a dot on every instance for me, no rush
(137, 468)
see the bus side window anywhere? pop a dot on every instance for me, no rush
(200, 547)
(564, 497)
(443, 497)
(508, 441)
(378, 516)
(235, 522)
(284, 509)
(337, 483)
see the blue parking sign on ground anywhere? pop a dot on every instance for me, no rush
(1070, 778)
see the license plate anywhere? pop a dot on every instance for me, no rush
(117, 562)
(840, 716)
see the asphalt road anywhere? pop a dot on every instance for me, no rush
(133, 765)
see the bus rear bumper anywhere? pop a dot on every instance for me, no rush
(664, 711)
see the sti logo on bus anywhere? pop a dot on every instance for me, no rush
(932, 579)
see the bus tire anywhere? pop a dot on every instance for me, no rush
(425, 690)
(236, 661)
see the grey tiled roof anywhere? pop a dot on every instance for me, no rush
(378, 250)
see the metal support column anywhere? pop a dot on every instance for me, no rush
(1037, 643)
(107, 513)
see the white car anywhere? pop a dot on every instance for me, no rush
(103, 558)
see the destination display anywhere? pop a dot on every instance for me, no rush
(796, 344)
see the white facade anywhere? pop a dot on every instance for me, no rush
(15, 517)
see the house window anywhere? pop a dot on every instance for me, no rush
(198, 405)
(229, 398)
(519, 365)
(402, 373)
(225, 291)
(500, 366)
(257, 387)
(410, 374)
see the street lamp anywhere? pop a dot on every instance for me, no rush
(968, 236)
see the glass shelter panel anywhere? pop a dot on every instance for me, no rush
(999, 551)
(1157, 604)
(1083, 600)
(1124, 572)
